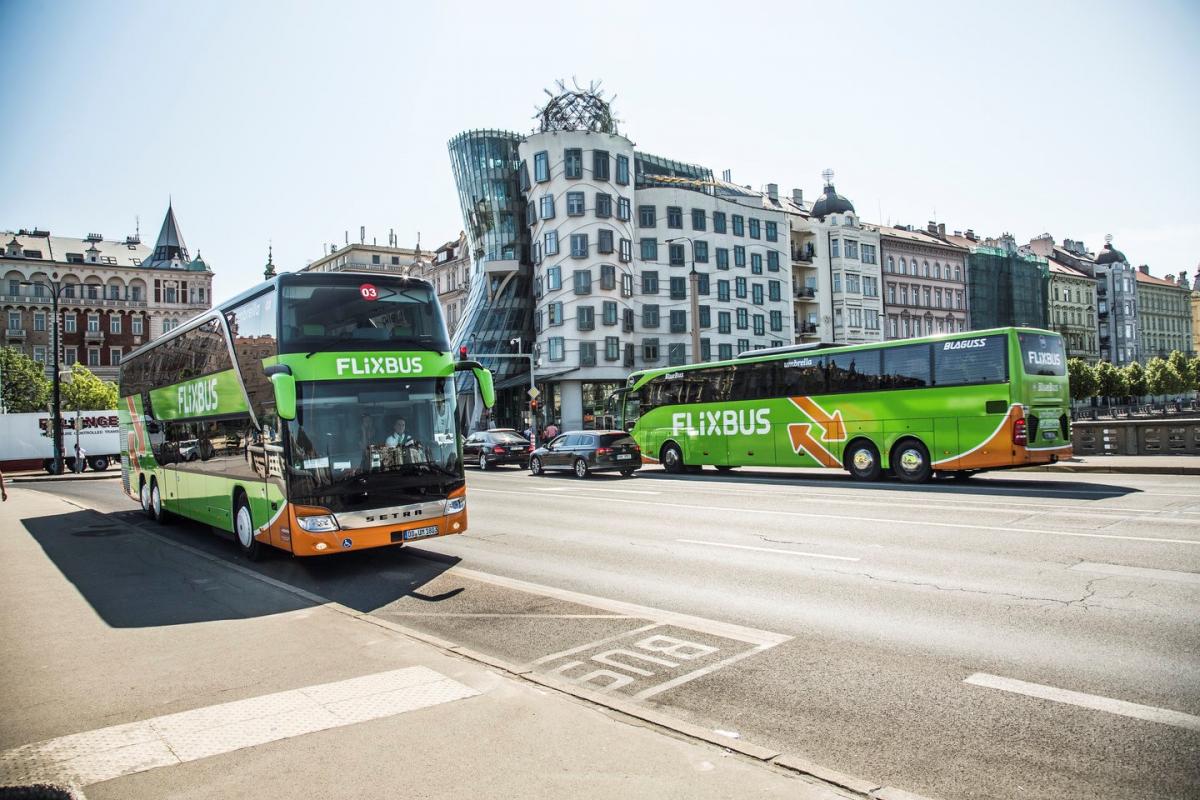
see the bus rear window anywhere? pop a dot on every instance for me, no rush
(961, 362)
(1042, 354)
(370, 316)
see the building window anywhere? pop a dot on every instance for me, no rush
(891, 264)
(718, 221)
(554, 313)
(755, 229)
(705, 350)
(609, 316)
(679, 321)
(600, 165)
(573, 162)
(739, 225)
(834, 247)
(649, 249)
(743, 319)
(756, 294)
(135, 293)
(698, 219)
(114, 356)
(724, 352)
(627, 320)
(776, 320)
(650, 315)
(774, 290)
(546, 206)
(723, 291)
(557, 352)
(587, 354)
(760, 328)
(772, 231)
(626, 285)
(93, 323)
(700, 251)
(676, 353)
(623, 170)
(650, 349)
(579, 245)
(93, 293)
(756, 263)
(626, 250)
(39, 321)
(851, 249)
(722, 258)
(743, 345)
(646, 217)
(623, 208)
(374, 258)
(649, 282)
(550, 238)
(739, 288)
(603, 205)
(678, 288)
(676, 255)
(739, 256)
(608, 273)
(69, 323)
(773, 260)
(705, 316)
(71, 355)
(723, 322)
(93, 356)
(852, 284)
(553, 279)
(14, 320)
(702, 283)
(612, 348)
(537, 254)
(114, 323)
(583, 281)
(868, 254)
(585, 318)
(541, 167)
(575, 204)
(674, 217)
(39, 353)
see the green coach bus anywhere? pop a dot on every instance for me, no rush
(313, 413)
(958, 403)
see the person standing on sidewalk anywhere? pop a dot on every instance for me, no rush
(79, 454)
(3, 491)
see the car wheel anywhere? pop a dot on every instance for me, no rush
(243, 528)
(581, 468)
(157, 513)
(483, 464)
(862, 461)
(910, 462)
(99, 463)
(672, 459)
(535, 466)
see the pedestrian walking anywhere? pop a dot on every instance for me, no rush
(551, 431)
(79, 454)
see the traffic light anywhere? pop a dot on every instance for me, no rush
(533, 405)
(462, 352)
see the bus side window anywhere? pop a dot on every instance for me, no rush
(907, 367)
(853, 372)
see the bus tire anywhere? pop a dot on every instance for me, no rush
(862, 460)
(672, 459)
(535, 466)
(910, 461)
(157, 512)
(144, 495)
(99, 463)
(243, 527)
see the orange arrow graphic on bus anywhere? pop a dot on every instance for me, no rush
(802, 440)
(832, 428)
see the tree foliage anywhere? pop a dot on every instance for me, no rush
(1135, 379)
(1110, 381)
(1158, 377)
(1194, 372)
(1179, 373)
(1082, 378)
(86, 392)
(25, 386)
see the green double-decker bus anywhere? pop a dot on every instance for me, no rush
(314, 413)
(958, 403)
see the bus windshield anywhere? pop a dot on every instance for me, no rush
(390, 439)
(371, 314)
(1042, 354)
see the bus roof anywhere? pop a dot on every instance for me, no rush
(824, 348)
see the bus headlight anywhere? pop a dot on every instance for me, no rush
(455, 505)
(318, 524)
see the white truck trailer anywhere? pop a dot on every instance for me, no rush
(26, 440)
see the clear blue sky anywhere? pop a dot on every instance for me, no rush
(294, 122)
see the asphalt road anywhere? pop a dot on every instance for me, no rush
(1016, 636)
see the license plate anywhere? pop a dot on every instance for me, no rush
(517, 449)
(1047, 434)
(624, 456)
(421, 533)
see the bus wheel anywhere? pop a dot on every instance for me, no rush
(156, 507)
(672, 458)
(862, 461)
(243, 528)
(144, 496)
(910, 462)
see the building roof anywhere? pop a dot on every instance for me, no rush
(831, 203)
(169, 250)
(1110, 255)
(1063, 269)
(1153, 281)
(128, 253)
(917, 236)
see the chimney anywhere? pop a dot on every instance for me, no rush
(1183, 280)
(773, 191)
(1144, 269)
(970, 234)
(942, 229)
(931, 227)
(798, 196)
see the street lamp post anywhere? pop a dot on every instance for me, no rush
(693, 283)
(55, 288)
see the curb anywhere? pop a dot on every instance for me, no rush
(791, 762)
(1113, 470)
(35, 478)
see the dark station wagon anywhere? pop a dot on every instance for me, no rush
(585, 452)
(487, 449)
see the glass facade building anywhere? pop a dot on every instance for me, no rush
(1007, 289)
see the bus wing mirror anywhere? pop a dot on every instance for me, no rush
(483, 377)
(285, 395)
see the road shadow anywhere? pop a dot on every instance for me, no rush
(132, 579)
(990, 486)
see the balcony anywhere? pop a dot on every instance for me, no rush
(803, 256)
(93, 336)
(804, 292)
(805, 328)
(14, 333)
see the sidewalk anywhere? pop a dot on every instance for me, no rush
(172, 674)
(1128, 465)
(40, 476)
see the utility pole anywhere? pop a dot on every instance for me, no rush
(55, 288)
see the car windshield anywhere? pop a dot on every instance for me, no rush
(349, 435)
(376, 314)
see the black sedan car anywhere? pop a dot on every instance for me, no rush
(487, 449)
(585, 452)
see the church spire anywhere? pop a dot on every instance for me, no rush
(169, 250)
(269, 272)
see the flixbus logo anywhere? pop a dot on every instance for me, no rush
(379, 365)
(727, 423)
(197, 397)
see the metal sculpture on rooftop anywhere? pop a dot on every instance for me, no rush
(577, 109)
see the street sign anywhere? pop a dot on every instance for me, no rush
(533, 393)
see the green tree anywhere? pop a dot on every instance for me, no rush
(1135, 379)
(1194, 370)
(1180, 373)
(86, 392)
(1109, 380)
(1082, 379)
(1158, 377)
(24, 383)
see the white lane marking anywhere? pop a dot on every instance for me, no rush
(881, 520)
(1138, 572)
(593, 489)
(504, 616)
(728, 630)
(1096, 702)
(572, 651)
(767, 550)
(106, 753)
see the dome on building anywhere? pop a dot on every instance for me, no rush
(577, 109)
(197, 264)
(1111, 255)
(831, 203)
